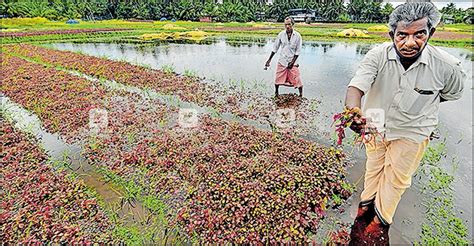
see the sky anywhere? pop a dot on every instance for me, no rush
(464, 4)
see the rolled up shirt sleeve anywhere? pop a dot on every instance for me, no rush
(454, 85)
(276, 45)
(367, 71)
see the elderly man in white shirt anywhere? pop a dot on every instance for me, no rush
(287, 72)
(406, 79)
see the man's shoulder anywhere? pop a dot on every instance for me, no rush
(440, 56)
(281, 33)
(297, 33)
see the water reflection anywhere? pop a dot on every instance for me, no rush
(232, 41)
(362, 49)
(325, 46)
(467, 56)
(181, 41)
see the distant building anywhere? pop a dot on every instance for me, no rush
(448, 19)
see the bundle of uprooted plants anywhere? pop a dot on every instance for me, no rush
(352, 118)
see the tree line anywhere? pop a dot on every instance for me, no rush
(226, 11)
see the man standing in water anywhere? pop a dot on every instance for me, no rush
(287, 72)
(405, 80)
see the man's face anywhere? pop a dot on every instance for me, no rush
(288, 26)
(410, 39)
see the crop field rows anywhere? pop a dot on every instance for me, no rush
(251, 105)
(48, 36)
(220, 181)
(52, 32)
(41, 204)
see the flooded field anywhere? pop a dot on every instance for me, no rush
(326, 69)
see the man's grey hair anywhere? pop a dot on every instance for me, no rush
(291, 19)
(413, 11)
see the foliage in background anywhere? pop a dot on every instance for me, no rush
(458, 15)
(228, 10)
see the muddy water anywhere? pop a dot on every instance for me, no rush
(59, 151)
(326, 68)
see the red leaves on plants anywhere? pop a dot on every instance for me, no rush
(39, 205)
(62, 101)
(342, 121)
(227, 182)
(121, 72)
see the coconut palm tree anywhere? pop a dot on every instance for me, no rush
(332, 10)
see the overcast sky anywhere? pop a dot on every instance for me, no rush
(464, 4)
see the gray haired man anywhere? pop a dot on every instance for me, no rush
(406, 79)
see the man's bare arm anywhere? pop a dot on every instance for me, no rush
(353, 97)
(267, 64)
(290, 65)
(353, 102)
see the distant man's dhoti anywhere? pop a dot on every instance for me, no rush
(288, 77)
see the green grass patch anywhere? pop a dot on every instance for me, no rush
(442, 226)
(157, 227)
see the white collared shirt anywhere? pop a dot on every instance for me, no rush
(289, 48)
(409, 98)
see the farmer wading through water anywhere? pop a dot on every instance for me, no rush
(407, 79)
(287, 72)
